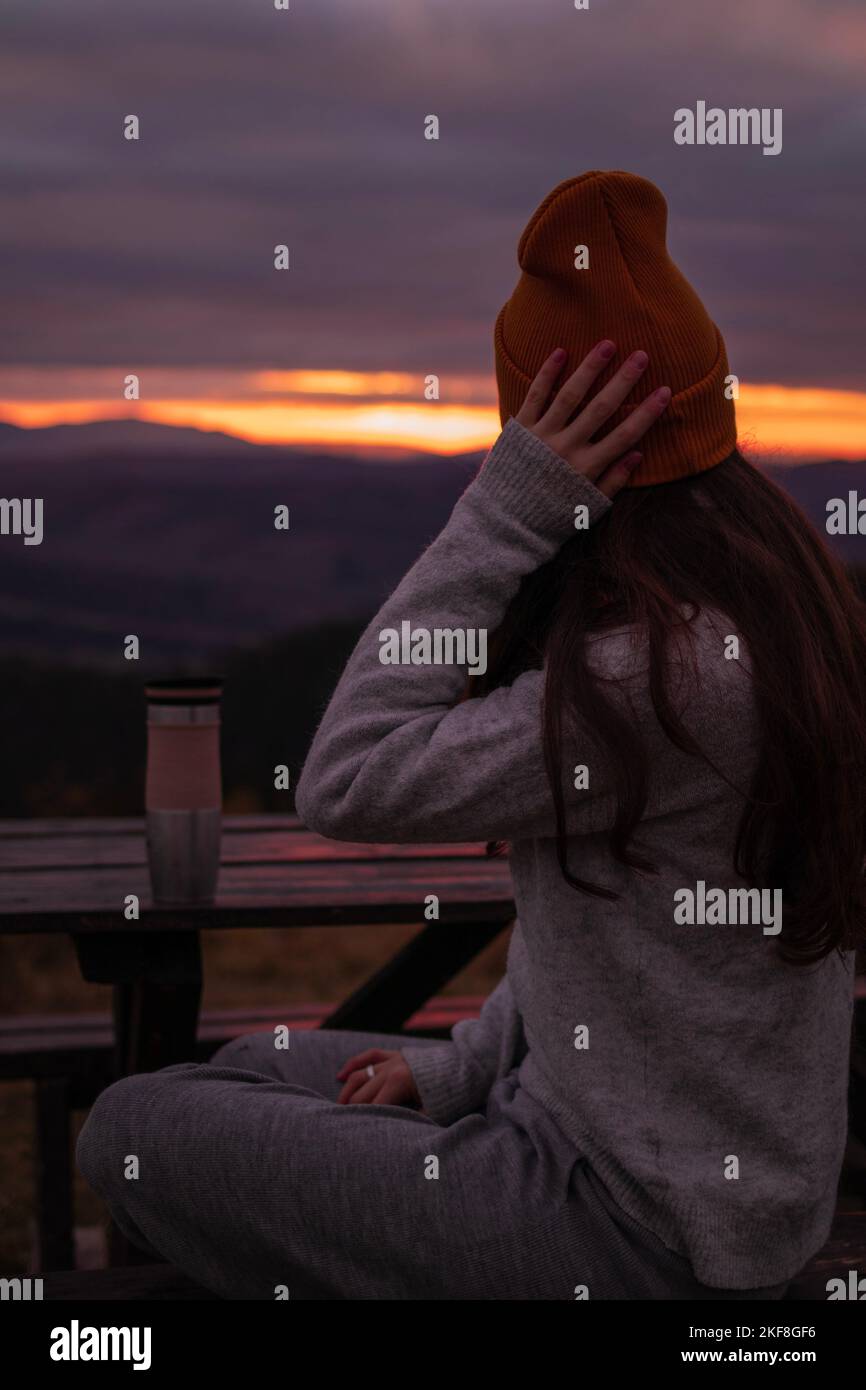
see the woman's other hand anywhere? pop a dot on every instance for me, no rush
(377, 1077)
(550, 414)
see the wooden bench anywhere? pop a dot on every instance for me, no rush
(134, 1283)
(846, 1250)
(71, 1058)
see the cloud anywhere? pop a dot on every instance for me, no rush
(305, 127)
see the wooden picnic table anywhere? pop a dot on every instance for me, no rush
(75, 875)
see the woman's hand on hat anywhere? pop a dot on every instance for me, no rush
(550, 414)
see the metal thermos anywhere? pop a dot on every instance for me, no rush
(183, 789)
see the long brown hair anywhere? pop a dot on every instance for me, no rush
(731, 540)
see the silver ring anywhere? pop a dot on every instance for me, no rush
(370, 1071)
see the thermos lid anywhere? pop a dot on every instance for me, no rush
(184, 690)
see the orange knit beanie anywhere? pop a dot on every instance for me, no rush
(630, 291)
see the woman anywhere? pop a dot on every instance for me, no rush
(670, 737)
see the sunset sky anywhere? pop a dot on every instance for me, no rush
(305, 127)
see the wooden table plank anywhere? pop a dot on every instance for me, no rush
(90, 850)
(266, 895)
(41, 827)
(58, 875)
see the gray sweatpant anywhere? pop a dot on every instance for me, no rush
(254, 1182)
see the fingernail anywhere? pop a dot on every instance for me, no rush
(663, 395)
(639, 359)
(606, 349)
(559, 355)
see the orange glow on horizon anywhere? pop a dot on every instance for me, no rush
(797, 421)
(318, 383)
(433, 428)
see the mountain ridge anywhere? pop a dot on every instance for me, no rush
(176, 543)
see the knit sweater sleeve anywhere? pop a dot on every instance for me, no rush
(395, 756)
(398, 755)
(453, 1078)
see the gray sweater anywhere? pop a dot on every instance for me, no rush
(702, 1078)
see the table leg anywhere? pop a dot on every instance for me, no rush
(55, 1237)
(434, 956)
(154, 1024)
(157, 979)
